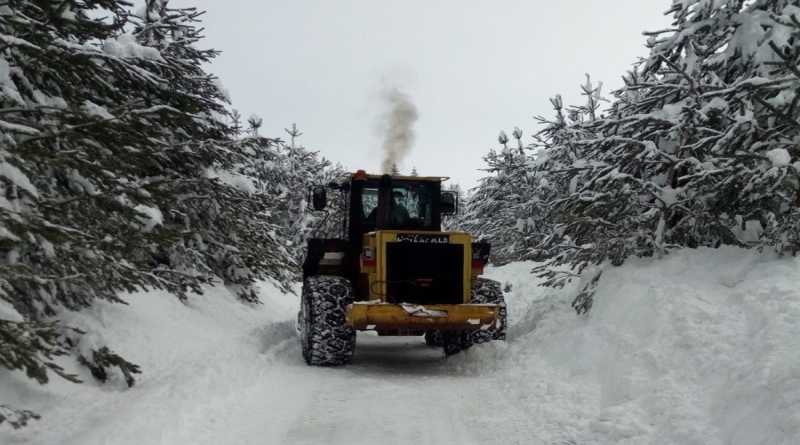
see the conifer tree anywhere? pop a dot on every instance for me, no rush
(493, 210)
(294, 133)
(764, 188)
(117, 173)
(645, 181)
(691, 152)
(552, 171)
(228, 231)
(281, 174)
(79, 176)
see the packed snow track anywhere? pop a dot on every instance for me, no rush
(397, 390)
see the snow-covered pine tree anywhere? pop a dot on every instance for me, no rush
(763, 88)
(648, 184)
(294, 133)
(114, 170)
(282, 173)
(414, 172)
(679, 161)
(493, 210)
(395, 170)
(307, 169)
(80, 177)
(225, 221)
(552, 171)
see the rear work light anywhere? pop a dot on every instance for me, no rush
(368, 258)
(478, 264)
(480, 257)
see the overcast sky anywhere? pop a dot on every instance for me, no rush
(472, 68)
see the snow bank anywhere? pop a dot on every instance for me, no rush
(698, 348)
(209, 351)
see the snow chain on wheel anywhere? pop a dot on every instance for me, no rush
(488, 291)
(325, 337)
(454, 342)
(434, 338)
(484, 291)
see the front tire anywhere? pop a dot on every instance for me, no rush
(325, 337)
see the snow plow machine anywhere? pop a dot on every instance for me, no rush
(394, 271)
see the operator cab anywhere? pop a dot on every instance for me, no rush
(384, 202)
(413, 203)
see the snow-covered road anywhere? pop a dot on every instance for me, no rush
(396, 391)
(695, 349)
(215, 375)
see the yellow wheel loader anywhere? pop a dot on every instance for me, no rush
(394, 271)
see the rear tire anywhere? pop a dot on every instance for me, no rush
(434, 338)
(454, 342)
(325, 337)
(486, 291)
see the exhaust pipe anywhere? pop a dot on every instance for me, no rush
(384, 202)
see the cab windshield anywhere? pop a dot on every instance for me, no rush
(411, 205)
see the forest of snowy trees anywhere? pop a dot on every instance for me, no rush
(701, 147)
(122, 167)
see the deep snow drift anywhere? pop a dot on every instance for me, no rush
(697, 348)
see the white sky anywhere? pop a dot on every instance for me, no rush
(473, 68)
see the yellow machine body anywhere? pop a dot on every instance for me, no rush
(389, 318)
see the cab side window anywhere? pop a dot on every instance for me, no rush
(369, 201)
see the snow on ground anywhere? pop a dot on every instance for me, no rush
(198, 358)
(698, 348)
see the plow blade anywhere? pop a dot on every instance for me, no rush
(365, 316)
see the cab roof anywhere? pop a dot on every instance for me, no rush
(361, 174)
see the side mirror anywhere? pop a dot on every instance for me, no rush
(449, 203)
(319, 197)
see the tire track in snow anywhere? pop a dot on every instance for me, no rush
(397, 391)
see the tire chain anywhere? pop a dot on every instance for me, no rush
(325, 337)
